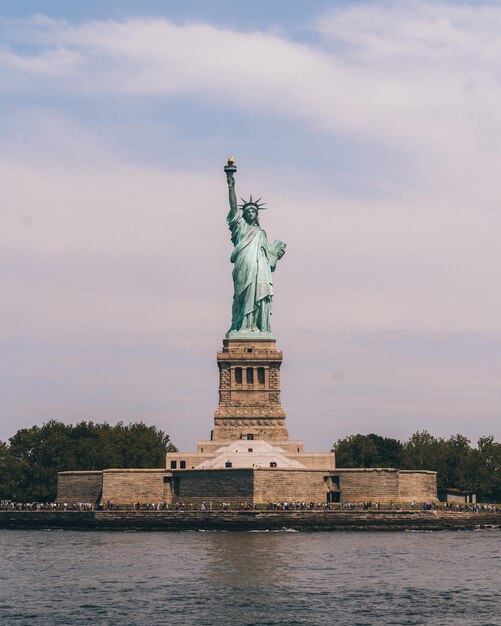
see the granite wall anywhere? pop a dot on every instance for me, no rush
(237, 485)
(385, 485)
(73, 487)
(128, 486)
(286, 485)
(233, 485)
(417, 485)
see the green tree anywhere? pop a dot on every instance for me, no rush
(421, 451)
(368, 451)
(13, 473)
(389, 451)
(37, 454)
(458, 462)
(485, 470)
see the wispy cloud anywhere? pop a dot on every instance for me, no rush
(422, 77)
(381, 68)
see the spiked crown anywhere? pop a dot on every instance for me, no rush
(252, 204)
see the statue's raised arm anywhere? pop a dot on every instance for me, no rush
(254, 260)
(230, 169)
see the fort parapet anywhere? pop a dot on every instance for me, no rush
(252, 485)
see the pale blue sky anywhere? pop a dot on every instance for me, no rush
(372, 131)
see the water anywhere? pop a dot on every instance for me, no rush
(256, 578)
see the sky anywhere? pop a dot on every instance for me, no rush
(371, 129)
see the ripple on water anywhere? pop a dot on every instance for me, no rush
(307, 579)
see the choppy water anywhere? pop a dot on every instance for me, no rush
(101, 578)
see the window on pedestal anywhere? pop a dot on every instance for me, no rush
(250, 376)
(238, 375)
(260, 375)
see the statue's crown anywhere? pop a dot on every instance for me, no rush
(252, 204)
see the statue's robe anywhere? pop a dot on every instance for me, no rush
(252, 282)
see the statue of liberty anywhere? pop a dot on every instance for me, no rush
(254, 260)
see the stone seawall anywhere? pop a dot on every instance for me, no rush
(248, 520)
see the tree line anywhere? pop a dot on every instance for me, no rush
(29, 463)
(457, 463)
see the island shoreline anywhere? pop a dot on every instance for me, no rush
(241, 520)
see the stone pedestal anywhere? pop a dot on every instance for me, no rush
(249, 392)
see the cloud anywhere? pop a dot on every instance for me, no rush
(433, 84)
(381, 66)
(421, 77)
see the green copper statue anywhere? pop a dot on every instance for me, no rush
(254, 261)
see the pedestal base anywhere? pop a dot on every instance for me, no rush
(249, 389)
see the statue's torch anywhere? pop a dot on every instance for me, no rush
(230, 168)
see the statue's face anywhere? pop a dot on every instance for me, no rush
(250, 216)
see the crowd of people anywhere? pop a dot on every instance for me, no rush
(9, 505)
(299, 506)
(473, 508)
